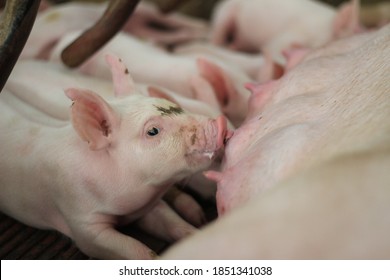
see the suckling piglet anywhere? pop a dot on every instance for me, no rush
(22, 83)
(108, 166)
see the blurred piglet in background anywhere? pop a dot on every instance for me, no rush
(215, 84)
(206, 79)
(273, 26)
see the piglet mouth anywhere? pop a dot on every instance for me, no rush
(216, 135)
(223, 134)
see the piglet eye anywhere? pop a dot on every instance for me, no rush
(153, 131)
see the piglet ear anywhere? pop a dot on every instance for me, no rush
(261, 95)
(219, 80)
(123, 83)
(270, 70)
(294, 55)
(159, 93)
(93, 118)
(347, 20)
(203, 91)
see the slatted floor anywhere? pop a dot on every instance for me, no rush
(21, 242)
(18, 241)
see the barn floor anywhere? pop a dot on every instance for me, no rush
(21, 242)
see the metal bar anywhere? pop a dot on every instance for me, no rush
(94, 38)
(15, 26)
(170, 6)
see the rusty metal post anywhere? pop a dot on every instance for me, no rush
(94, 38)
(172, 5)
(15, 26)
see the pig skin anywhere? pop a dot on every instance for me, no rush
(271, 26)
(206, 79)
(338, 108)
(250, 64)
(80, 178)
(210, 81)
(336, 210)
(311, 171)
(22, 83)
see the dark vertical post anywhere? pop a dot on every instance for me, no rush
(15, 26)
(94, 38)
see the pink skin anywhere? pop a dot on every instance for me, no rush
(271, 26)
(336, 210)
(251, 64)
(87, 201)
(294, 56)
(297, 54)
(26, 72)
(27, 92)
(216, 84)
(300, 125)
(26, 110)
(267, 93)
(307, 178)
(270, 69)
(261, 93)
(23, 85)
(149, 63)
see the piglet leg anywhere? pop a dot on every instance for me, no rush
(103, 241)
(186, 206)
(164, 223)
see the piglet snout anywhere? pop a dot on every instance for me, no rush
(223, 133)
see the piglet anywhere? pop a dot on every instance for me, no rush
(104, 168)
(27, 71)
(251, 64)
(147, 22)
(212, 82)
(24, 88)
(271, 26)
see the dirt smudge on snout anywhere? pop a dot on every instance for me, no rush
(193, 139)
(194, 136)
(184, 131)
